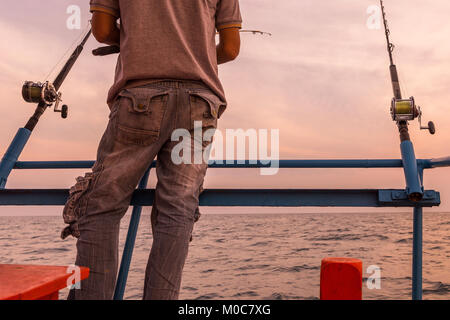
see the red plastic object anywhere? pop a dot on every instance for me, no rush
(31, 282)
(341, 279)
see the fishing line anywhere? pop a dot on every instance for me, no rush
(69, 49)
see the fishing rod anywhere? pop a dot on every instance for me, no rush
(45, 94)
(108, 50)
(402, 110)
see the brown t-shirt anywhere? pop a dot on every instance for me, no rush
(169, 39)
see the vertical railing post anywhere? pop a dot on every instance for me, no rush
(129, 244)
(417, 254)
(414, 187)
(12, 154)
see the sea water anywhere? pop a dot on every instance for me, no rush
(264, 256)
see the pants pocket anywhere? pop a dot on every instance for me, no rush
(140, 114)
(76, 205)
(204, 107)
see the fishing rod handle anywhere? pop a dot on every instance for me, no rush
(403, 131)
(33, 121)
(104, 51)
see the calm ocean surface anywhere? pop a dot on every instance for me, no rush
(270, 256)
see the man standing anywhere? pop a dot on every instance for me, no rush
(166, 79)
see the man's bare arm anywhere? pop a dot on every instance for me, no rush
(229, 45)
(104, 28)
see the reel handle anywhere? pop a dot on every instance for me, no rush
(64, 111)
(430, 127)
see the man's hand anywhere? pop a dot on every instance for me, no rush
(104, 28)
(229, 45)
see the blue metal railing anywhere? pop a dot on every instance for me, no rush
(283, 164)
(255, 197)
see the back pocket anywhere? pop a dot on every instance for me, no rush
(140, 114)
(204, 108)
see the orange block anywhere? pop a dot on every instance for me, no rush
(31, 282)
(341, 279)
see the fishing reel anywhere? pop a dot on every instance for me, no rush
(406, 110)
(46, 93)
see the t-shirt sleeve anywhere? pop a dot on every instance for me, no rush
(228, 14)
(106, 6)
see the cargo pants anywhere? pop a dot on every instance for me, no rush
(140, 128)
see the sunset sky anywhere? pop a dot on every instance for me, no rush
(322, 79)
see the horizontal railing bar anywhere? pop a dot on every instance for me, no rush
(440, 162)
(286, 164)
(240, 197)
(54, 164)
